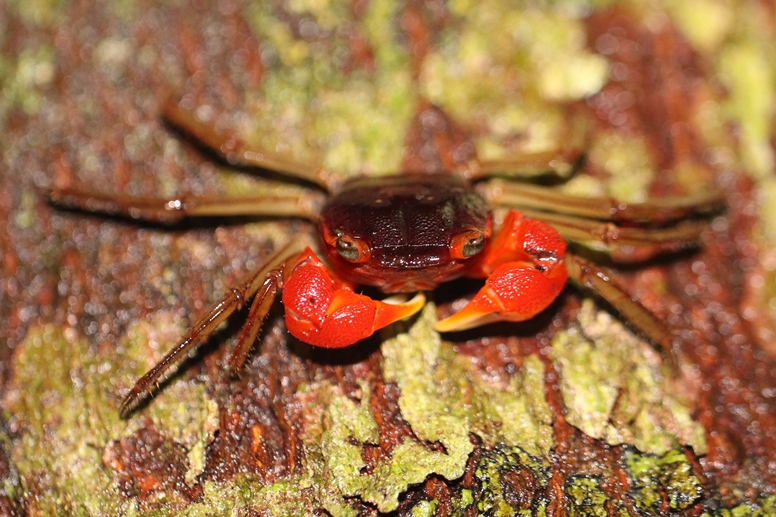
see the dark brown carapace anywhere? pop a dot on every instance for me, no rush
(408, 233)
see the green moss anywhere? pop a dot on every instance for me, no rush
(602, 363)
(670, 475)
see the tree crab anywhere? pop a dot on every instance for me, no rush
(407, 234)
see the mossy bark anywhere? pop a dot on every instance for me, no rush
(569, 414)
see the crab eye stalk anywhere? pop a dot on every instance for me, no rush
(467, 244)
(351, 249)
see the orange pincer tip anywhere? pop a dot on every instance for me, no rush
(392, 309)
(480, 310)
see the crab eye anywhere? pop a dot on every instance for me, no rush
(351, 249)
(467, 244)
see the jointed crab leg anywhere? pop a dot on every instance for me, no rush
(172, 210)
(264, 281)
(320, 310)
(237, 152)
(655, 211)
(589, 276)
(612, 235)
(558, 162)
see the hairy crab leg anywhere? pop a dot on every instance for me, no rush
(585, 274)
(263, 281)
(236, 152)
(173, 210)
(656, 211)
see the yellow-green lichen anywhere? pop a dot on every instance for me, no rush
(432, 399)
(764, 507)
(613, 387)
(520, 409)
(670, 476)
(69, 416)
(41, 13)
(706, 23)
(23, 80)
(182, 411)
(307, 107)
(747, 72)
(505, 66)
(493, 466)
(444, 402)
(626, 160)
(64, 419)
(411, 462)
(337, 429)
(288, 497)
(425, 509)
(586, 497)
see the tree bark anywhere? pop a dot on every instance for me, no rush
(571, 413)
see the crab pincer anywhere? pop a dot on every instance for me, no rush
(327, 313)
(525, 273)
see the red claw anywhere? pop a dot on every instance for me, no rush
(525, 273)
(327, 313)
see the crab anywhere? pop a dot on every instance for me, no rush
(404, 234)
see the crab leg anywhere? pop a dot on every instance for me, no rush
(587, 275)
(657, 211)
(525, 273)
(173, 210)
(264, 280)
(236, 152)
(558, 162)
(561, 162)
(325, 312)
(610, 234)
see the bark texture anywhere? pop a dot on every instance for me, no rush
(568, 414)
